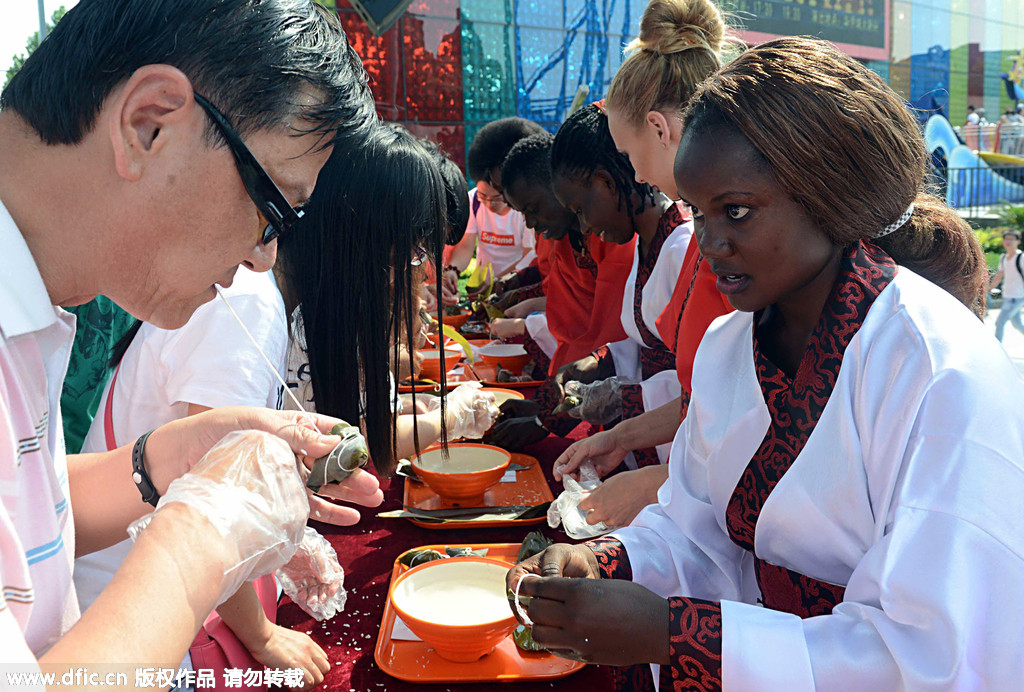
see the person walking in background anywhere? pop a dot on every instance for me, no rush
(1011, 275)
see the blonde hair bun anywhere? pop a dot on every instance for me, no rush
(680, 44)
(675, 26)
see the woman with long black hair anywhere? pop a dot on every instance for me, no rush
(350, 277)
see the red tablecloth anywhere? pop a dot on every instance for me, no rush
(367, 551)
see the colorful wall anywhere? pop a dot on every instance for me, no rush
(956, 50)
(449, 66)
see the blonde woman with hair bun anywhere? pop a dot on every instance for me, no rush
(680, 44)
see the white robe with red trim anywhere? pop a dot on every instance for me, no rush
(909, 492)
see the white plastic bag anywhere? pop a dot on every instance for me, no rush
(470, 412)
(248, 486)
(566, 507)
(314, 579)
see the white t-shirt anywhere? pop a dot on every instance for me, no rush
(502, 240)
(210, 362)
(299, 378)
(1013, 284)
(37, 532)
(973, 118)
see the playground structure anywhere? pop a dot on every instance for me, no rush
(972, 178)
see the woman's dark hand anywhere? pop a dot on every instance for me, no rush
(586, 370)
(514, 434)
(578, 615)
(519, 408)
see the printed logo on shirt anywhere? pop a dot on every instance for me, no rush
(492, 238)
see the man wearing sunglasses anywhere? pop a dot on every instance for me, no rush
(148, 148)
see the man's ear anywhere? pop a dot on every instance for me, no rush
(155, 102)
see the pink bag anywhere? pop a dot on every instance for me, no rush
(215, 647)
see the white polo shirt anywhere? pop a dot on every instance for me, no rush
(37, 537)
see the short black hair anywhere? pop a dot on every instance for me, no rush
(529, 159)
(250, 58)
(456, 192)
(584, 143)
(492, 143)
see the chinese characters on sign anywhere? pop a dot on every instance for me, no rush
(857, 22)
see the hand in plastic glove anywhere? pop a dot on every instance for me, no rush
(600, 401)
(470, 412)
(313, 578)
(504, 328)
(603, 450)
(620, 498)
(249, 490)
(176, 447)
(514, 434)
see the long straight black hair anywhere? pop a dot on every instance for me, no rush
(348, 264)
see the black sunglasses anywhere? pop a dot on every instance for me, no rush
(265, 194)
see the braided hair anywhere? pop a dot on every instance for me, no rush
(584, 144)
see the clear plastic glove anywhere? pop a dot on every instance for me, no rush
(248, 487)
(565, 510)
(470, 411)
(600, 402)
(313, 578)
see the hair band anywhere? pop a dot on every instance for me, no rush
(898, 223)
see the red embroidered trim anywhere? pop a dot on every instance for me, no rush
(612, 559)
(632, 401)
(584, 260)
(695, 646)
(655, 360)
(527, 292)
(549, 397)
(636, 678)
(684, 403)
(656, 357)
(541, 362)
(633, 406)
(795, 407)
(529, 275)
(791, 592)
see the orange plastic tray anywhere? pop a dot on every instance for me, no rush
(417, 662)
(457, 379)
(530, 488)
(488, 376)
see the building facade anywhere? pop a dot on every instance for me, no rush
(449, 66)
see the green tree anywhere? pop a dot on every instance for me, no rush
(32, 44)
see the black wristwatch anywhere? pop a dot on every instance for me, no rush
(139, 475)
